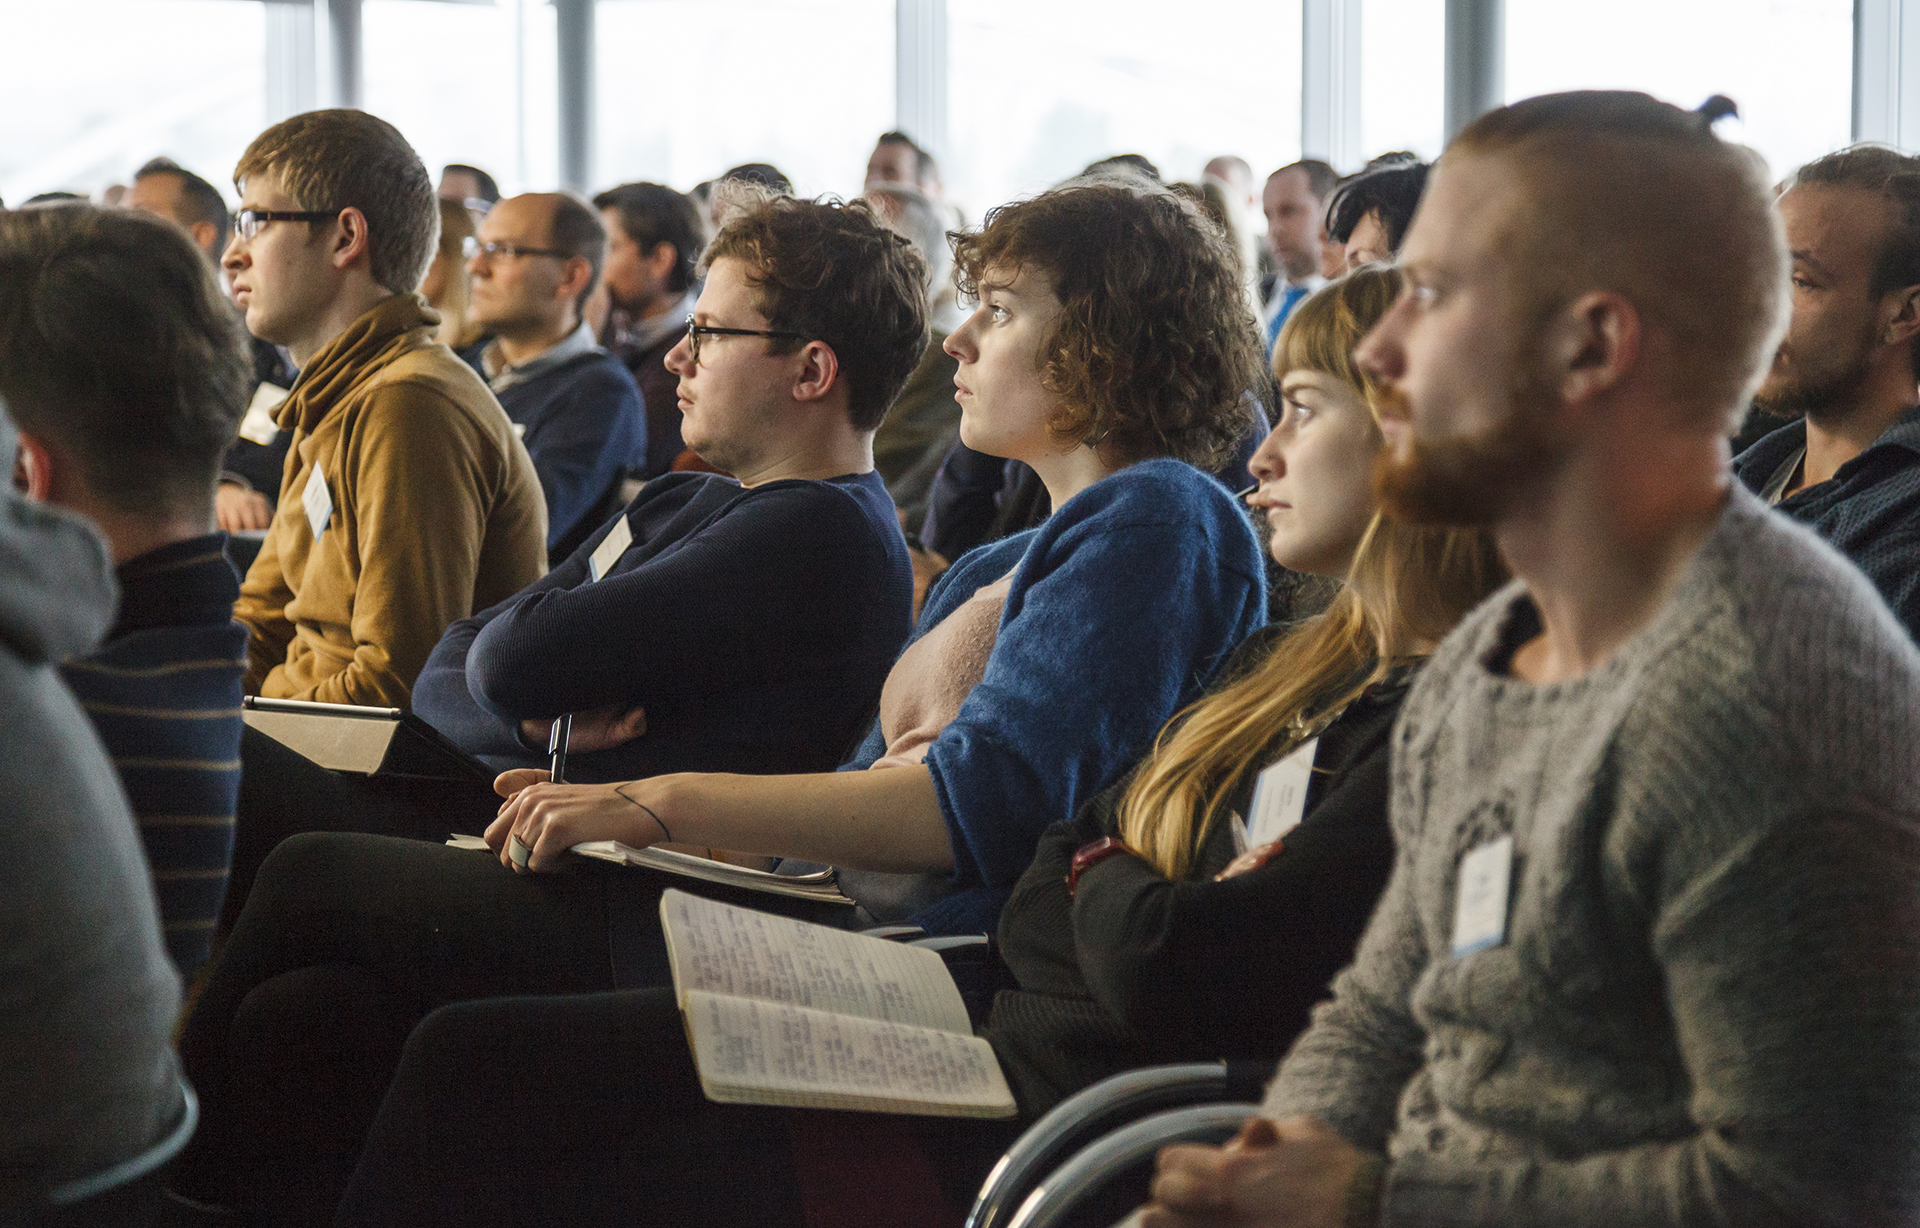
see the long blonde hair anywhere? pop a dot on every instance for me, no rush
(1406, 589)
(456, 226)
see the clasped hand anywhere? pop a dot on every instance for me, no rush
(1293, 1173)
(551, 818)
(592, 730)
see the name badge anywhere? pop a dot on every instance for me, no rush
(318, 501)
(258, 426)
(608, 552)
(1480, 897)
(1280, 796)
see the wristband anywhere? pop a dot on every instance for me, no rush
(1093, 854)
(1364, 1192)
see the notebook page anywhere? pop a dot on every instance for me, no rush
(767, 1053)
(721, 949)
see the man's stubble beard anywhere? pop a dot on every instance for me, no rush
(1469, 479)
(1828, 394)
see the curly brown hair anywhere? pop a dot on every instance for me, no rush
(1155, 350)
(834, 272)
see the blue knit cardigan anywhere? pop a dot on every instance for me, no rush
(1122, 603)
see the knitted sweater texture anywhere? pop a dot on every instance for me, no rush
(1706, 1004)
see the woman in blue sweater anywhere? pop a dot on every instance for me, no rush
(1105, 343)
(1110, 350)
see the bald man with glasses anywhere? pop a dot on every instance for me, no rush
(535, 261)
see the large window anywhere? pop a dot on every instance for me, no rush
(1038, 90)
(1403, 45)
(468, 83)
(90, 89)
(689, 88)
(1787, 63)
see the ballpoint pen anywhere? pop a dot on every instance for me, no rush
(557, 747)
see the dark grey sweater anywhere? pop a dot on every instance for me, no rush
(87, 996)
(1706, 1008)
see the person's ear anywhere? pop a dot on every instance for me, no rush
(661, 259)
(574, 276)
(1903, 316)
(204, 235)
(1595, 345)
(819, 372)
(33, 469)
(351, 240)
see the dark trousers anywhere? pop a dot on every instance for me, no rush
(283, 793)
(588, 1111)
(345, 943)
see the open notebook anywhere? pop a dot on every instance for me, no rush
(782, 1012)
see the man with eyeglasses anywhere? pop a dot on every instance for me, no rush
(576, 408)
(406, 502)
(739, 624)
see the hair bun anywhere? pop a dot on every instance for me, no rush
(1716, 109)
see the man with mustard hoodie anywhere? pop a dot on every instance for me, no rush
(406, 502)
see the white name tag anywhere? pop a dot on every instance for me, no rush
(257, 426)
(1280, 796)
(318, 501)
(608, 552)
(1480, 899)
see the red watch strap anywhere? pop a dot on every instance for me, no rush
(1094, 854)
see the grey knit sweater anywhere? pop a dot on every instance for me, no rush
(1706, 1009)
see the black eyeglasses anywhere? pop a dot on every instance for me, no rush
(250, 222)
(694, 332)
(472, 249)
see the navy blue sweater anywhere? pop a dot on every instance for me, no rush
(163, 692)
(584, 426)
(1869, 510)
(1123, 603)
(754, 626)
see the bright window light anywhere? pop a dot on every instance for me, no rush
(1036, 91)
(1787, 63)
(689, 88)
(467, 83)
(90, 89)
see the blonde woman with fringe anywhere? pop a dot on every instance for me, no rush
(1198, 908)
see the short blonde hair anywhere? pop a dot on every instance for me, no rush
(333, 160)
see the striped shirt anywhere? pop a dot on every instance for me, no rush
(163, 692)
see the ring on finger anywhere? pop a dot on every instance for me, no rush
(518, 851)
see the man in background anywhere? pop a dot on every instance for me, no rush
(898, 160)
(654, 240)
(1849, 467)
(1295, 202)
(575, 407)
(470, 186)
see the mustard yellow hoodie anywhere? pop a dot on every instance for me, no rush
(436, 512)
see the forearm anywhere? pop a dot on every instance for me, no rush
(886, 820)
